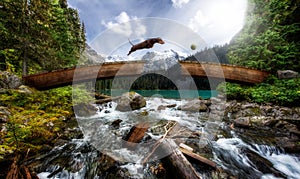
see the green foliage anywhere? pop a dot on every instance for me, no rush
(282, 92)
(45, 35)
(36, 118)
(11, 60)
(270, 38)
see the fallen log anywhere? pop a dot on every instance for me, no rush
(198, 158)
(135, 135)
(176, 165)
(175, 162)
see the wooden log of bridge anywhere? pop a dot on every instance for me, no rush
(224, 71)
(110, 70)
(65, 77)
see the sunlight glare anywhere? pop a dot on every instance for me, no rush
(227, 14)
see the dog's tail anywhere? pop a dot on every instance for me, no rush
(130, 42)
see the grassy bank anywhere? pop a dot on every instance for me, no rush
(36, 118)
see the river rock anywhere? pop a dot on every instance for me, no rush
(283, 74)
(163, 107)
(9, 80)
(194, 106)
(85, 109)
(130, 101)
(242, 122)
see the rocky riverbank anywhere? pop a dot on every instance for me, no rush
(263, 123)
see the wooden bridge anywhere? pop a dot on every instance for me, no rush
(64, 77)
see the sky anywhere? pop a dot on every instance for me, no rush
(110, 23)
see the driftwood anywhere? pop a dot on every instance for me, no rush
(168, 128)
(174, 161)
(176, 164)
(136, 134)
(198, 157)
(19, 171)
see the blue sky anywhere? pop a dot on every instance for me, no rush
(214, 22)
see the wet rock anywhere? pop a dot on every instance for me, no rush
(262, 164)
(242, 122)
(194, 106)
(283, 74)
(130, 101)
(261, 121)
(288, 145)
(9, 80)
(163, 107)
(144, 113)
(215, 100)
(116, 123)
(60, 142)
(85, 109)
(247, 110)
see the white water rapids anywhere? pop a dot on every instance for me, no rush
(232, 154)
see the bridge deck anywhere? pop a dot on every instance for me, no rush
(109, 70)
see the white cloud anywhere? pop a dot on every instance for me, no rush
(179, 3)
(121, 25)
(122, 18)
(198, 21)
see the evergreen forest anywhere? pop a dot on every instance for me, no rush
(39, 35)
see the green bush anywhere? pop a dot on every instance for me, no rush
(284, 92)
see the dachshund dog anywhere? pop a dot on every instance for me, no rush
(146, 44)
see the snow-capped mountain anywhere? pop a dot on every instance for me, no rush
(155, 61)
(162, 61)
(167, 54)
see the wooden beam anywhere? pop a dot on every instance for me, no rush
(198, 158)
(110, 70)
(80, 74)
(223, 71)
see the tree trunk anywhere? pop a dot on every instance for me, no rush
(24, 31)
(176, 165)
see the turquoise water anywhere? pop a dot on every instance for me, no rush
(173, 94)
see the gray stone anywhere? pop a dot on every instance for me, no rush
(282, 74)
(195, 106)
(85, 109)
(130, 101)
(9, 80)
(242, 122)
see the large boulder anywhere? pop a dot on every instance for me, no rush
(9, 80)
(130, 101)
(195, 105)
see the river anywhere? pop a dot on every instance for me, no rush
(83, 158)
